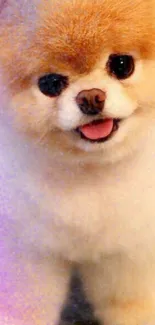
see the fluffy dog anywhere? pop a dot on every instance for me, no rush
(77, 158)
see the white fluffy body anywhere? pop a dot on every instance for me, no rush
(65, 201)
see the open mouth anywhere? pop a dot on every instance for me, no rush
(99, 130)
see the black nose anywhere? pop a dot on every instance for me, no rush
(91, 102)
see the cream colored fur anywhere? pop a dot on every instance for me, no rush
(100, 217)
(67, 202)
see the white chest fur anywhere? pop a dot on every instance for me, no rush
(82, 212)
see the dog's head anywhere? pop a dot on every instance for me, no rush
(81, 73)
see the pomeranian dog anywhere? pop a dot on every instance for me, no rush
(77, 158)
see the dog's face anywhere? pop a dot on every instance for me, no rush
(81, 73)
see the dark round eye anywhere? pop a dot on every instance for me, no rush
(120, 66)
(52, 84)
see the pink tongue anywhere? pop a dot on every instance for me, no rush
(98, 129)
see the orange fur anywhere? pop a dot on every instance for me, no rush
(80, 203)
(74, 38)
